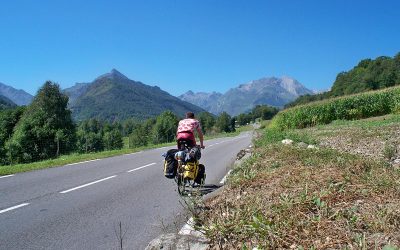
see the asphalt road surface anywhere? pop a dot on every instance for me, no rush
(82, 205)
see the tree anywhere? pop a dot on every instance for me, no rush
(139, 137)
(90, 136)
(233, 124)
(165, 127)
(141, 134)
(128, 126)
(207, 121)
(112, 139)
(223, 122)
(35, 136)
(8, 119)
(89, 141)
(243, 118)
(264, 112)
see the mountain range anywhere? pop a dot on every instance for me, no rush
(113, 96)
(17, 96)
(6, 103)
(272, 91)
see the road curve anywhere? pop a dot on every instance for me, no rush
(80, 206)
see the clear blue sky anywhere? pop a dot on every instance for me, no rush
(203, 45)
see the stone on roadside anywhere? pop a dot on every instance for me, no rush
(176, 241)
(312, 147)
(302, 145)
(287, 142)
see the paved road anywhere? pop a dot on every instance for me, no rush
(80, 206)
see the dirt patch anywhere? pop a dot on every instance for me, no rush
(373, 142)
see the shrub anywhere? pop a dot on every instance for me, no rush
(369, 104)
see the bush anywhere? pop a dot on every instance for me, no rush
(369, 104)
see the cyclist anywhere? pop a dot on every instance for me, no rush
(186, 128)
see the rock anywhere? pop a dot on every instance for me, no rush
(312, 147)
(396, 161)
(177, 242)
(302, 145)
(240, 154)
(287, 142)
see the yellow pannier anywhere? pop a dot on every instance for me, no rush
(191, 170)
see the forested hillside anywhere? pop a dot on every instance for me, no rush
(6, 103)
(368, 75)
(114, 97)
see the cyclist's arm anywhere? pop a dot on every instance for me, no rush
(200, 133)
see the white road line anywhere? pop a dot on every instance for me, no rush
(82, 162)
(85, 185)
(224, 179)
(14, 207)
(134, 153)
(145, 166)
(5, 176)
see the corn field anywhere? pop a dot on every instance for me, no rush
(359, 106)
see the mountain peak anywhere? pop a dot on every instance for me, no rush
(113, 74)
(116, 72)
(18, 96)
(272, 91)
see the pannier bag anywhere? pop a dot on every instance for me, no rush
(170, 164)
(191, 170)
(201, 175)
(195, 154)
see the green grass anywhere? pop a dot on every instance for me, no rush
(387, 120)
(275, 136)
(287, 197)
(74, 158)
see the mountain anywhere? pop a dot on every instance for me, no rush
(113, 96)
(269, 90)
(17, 96)
(76, 91)
(6, 103)
(205, 100)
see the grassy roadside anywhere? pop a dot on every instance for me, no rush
(74, 158)
(291, 197)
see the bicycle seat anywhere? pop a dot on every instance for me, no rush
(185, 144)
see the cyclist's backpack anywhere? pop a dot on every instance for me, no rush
(170, 164)
(191, 170)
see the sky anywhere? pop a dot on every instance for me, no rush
(199, 45)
